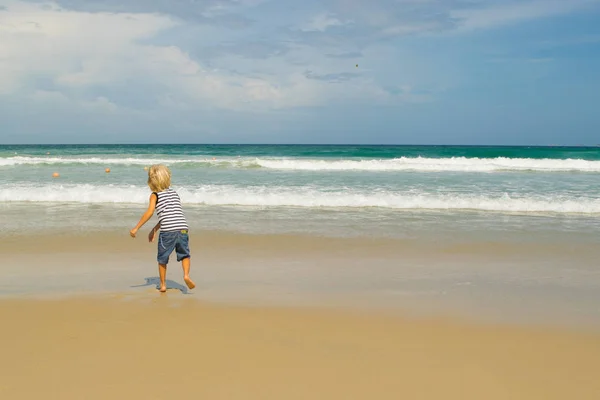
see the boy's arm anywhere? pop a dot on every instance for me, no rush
(147, 215)
(153, 232)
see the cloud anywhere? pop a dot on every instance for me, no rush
(510, 12)
(141, 61)
(71, 48)
(251, 49)
(348, 54)
(374, 20)
(204, 11)
(322, 22)
(57, 99)
(80, 59)
(396, 17)
(332, 78)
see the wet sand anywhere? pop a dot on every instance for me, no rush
(165, 346)
(493, 281)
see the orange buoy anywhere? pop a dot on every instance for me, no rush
(55, 175)
(107, 170)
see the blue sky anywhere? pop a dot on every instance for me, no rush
(258, 71)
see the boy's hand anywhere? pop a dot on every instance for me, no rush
(151, 235)
(133, 232)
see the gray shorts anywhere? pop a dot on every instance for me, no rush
(169, 241)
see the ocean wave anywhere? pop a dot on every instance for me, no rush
(453, 164)
(417, 164)
(265, 196)
(22, 160)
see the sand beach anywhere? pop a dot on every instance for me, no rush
(166, 346)
(97, 328)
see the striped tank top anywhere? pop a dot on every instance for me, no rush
(169, 211)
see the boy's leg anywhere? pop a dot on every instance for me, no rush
(166, 244)
(162, 273)
(185, 263)
(182, 248)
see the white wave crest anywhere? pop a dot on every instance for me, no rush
(21, 160)
(458, 164)
(453, 164)
(263, 196)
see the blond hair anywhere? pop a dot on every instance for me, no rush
(159, 178)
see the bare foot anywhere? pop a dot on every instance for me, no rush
(162, 289)
(190, 283)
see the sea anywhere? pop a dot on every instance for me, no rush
(330, 190)
(491, 200)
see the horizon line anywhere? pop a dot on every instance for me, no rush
(299, 144)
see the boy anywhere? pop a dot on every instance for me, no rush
(171, 222)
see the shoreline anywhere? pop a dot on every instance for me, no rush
(177, 298)
(147, 347)
(490, 283)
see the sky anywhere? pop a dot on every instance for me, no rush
(332, 71)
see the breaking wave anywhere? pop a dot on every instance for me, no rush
(456, 164)
(306, 197)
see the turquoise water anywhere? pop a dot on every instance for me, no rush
(346, 189)
(309, 151)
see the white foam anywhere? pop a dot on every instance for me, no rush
(21, 160)
(265, 196)
(456, 164)
(459, 164)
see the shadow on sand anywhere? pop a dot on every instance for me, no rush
(155, 280)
